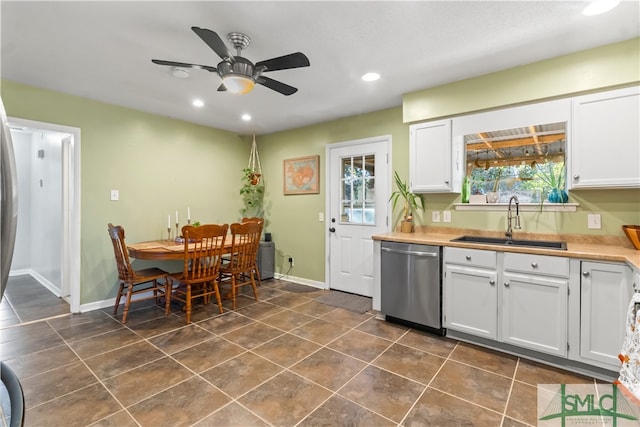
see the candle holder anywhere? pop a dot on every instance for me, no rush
(168, 233)
(177, 234)
(189, 221)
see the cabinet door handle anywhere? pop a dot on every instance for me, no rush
(534, 264)
(576, 177)
(506, 284)
(585, 273)
(468, 257)
(492, 282)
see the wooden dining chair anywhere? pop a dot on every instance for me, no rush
(241, 268)
(203, 247)
(261, 222)
(134, 282)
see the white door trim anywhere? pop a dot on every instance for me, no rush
(327, 202)
(71, 209)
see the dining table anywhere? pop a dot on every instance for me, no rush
(164, 250)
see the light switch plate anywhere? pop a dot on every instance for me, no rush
(593, 222)
(435, 216)
(446, 216)
(321, 216)
(115, 195)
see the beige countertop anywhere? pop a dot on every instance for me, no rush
(597, 248)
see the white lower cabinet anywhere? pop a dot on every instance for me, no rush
(534, 313)
(606, 289)
(471, 301)
(534, 302)
(519, 299)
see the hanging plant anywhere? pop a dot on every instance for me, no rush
(254, 164)
(252, 194)
(252, 190)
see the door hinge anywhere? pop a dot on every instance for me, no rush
(568, 291)
(387, 158)
(567, 346)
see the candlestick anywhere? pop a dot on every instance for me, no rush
(177, 235)
(169, 232)
(169, 221)
(177, 221)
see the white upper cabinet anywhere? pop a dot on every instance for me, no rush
(605, 140)
(436, 164)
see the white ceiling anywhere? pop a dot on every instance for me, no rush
(103, 50)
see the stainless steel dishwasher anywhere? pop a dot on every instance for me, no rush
(411, 290)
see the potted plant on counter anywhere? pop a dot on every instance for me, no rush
(553, 175)
(412, 202)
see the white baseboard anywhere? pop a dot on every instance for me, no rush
(106, 303)
(98, 305)
(302, 281)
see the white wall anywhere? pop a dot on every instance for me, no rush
(39, 235)
(46, 207)
(22, 149)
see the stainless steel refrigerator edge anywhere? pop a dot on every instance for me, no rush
(8, 223)
(8, 200)
(411, 288)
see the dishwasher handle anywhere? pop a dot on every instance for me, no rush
(417, 253)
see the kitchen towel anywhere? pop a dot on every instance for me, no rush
(629, 378)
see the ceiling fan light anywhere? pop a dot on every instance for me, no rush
(238, 84)
(597, 7)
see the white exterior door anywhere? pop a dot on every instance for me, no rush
(358, 177)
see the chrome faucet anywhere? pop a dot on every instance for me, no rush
(510, 217)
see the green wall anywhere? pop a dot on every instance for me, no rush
(161, 164)
(606, 66)
(293, 219)
(158, 164)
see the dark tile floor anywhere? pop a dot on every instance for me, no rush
(284, 361)
(26, 300)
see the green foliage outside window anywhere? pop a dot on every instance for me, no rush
(539, 177)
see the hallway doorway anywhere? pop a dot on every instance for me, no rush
(48, 232)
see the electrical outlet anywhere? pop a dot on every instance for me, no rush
(290, 261)
(593, 222)
(115, 195)
(446, 216)
(435, 216)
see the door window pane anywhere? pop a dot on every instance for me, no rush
(358, 190)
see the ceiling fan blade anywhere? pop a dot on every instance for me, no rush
(283, 88)
(213, 40)
(183, 65)
(293, 60)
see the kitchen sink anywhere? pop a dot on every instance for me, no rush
(502, 241)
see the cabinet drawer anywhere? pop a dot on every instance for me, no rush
(470, 257)
(536, 264)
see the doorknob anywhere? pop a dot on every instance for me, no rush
(332, 229)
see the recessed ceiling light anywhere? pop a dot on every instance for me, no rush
(198, 103)
(246, 117)
(596, 7)
(371, 77)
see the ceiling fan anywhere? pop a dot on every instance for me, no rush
(239, 75)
